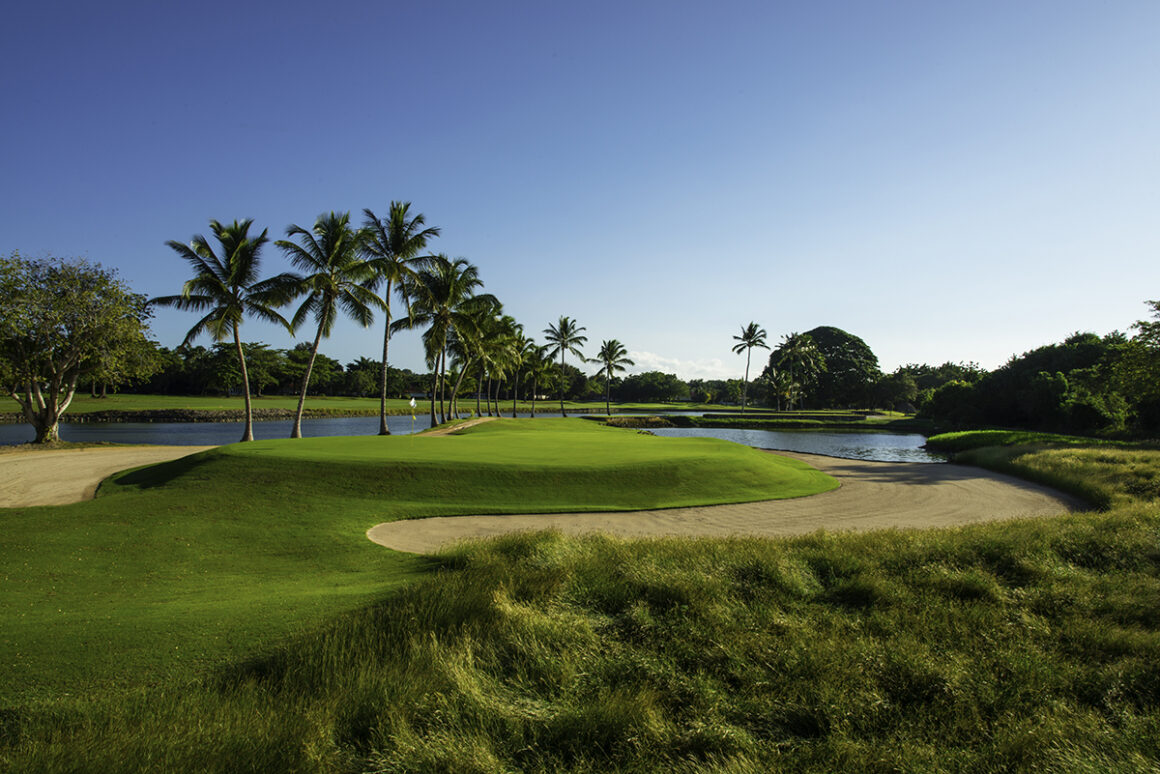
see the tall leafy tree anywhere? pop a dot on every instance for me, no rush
(61, 321)
(564, 337)
(752, 335)
(394, 245)
(541, 368)
(613, 358)
(335, 281)
(523, 350)
(227, 287)
(798, 356)
(851, 369)
(504, 349)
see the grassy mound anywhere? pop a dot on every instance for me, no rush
(209, 557)
(543, 465)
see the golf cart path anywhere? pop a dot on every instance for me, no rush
(872, 495)
(62, 476)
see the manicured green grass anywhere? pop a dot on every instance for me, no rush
(211, 556)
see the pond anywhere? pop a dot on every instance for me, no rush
(877, 447)
(883, 447)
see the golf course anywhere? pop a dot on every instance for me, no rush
(225, 611)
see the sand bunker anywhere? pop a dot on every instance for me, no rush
(873, 495)
(62, 476)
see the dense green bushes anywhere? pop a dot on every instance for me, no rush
(1085, 385)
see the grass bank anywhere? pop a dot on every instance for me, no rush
(1031, 645)
(1104, 473)
(842, 421)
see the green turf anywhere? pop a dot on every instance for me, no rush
(212, 556)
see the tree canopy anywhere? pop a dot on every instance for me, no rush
(61, 320)
(851, 369)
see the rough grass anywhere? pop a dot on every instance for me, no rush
(1030, 646)
(1104, 473)
(973, 439)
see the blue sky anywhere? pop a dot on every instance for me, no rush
(950, 181)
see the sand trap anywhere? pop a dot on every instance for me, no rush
(62, 476)
(873, 495)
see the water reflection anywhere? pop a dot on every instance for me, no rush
(884, 447)
(878, 447)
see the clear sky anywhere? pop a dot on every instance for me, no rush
(950, 181)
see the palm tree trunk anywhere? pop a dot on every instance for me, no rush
(745, 382)
(296, 431)
(248, 431)
(487, 396)
(563, 375)
(442, 364)
(608, 394)
(479, 389)
(515, 393)
(434, 386)
(455, 391)
(383, 429)
(535, 386)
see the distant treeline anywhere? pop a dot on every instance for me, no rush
(1087, 384)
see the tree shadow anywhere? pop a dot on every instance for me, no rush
(160, 474)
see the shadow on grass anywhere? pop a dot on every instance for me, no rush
(152, 476)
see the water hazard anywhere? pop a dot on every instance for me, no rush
(883, 447)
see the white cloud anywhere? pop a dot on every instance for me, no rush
(712, 368)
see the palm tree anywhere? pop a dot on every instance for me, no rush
(562, 338)
(613, 358)
(336, 279)
(799, 353)
(393, 245)
(228, 286)
(752, 335)
(444, 301)
(523, 350)
(541, 368)
(504, 345)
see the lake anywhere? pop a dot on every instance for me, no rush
(876, 447)
(883, 447)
